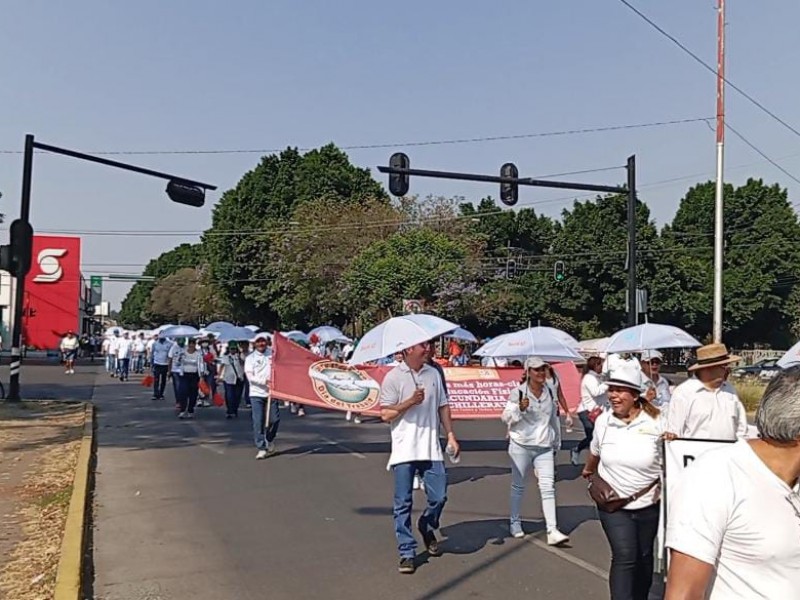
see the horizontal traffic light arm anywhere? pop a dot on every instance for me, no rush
(120, 165)
(564, 185)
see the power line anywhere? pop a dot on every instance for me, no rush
(760, 152)
(470, 140)
(708, 67)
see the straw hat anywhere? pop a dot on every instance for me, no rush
(713, 355)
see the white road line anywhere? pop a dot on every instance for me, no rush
(211, 447)
(343, 447)
(578, 562)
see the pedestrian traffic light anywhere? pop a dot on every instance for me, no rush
(509, 192)
(398, 182)
(559, 271)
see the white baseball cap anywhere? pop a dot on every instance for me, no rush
(534, 362)
(649, 355)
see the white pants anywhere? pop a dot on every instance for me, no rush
(543, 462)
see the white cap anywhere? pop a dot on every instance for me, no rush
(262, 336)
(649, 355)
(534, 362)
(626, 375)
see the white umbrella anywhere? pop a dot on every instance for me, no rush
(650, 336)
(217, 326)
(791, 358)
(253, 328)
(594, 346)
(295, 335)
(328, 333)
(463, 335)
(399, 333)
(235, 334)
(177, 331)
(546, 342)
(114, 330)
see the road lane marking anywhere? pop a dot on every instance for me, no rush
(345, 448)
(578, 562)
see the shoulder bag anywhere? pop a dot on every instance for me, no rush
(607, 499)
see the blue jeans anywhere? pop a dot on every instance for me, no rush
(543, 463)
(434, 476)
(233, 396)
(263, 436)
(159, 380)
(631, 534)
(111, 364)
(588, 428)
(123, 365)
(176, 386)
(138, 364)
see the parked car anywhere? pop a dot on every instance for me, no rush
(765, 368)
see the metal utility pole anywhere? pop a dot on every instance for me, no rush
(633, 308)
(718, 196)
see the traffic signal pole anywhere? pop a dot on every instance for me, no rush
(400, 172)
(179, 189)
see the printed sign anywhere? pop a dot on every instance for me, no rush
(475, 392)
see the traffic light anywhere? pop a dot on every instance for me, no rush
(511, 269)
(15, 258)
(398, 182)
(509, 192)
(559, 271)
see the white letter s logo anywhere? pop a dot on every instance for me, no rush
(49, 265)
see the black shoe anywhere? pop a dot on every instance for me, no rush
(407, 566)
(228, 416)
(155, 398)
(429, 539)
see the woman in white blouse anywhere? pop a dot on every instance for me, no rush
(231, 374)
(626, 453)
(191, 368)
(534, 436)
(593, 399)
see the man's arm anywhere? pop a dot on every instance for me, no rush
(688, 577)
(447, 423)
(390, 412)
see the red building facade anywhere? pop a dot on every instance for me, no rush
(54, 292)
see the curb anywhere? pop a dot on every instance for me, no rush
(69, 577)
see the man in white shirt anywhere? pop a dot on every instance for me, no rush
(124, 348)
(139, 350)
(265, 413)
(707, 407)
(414, 401)
(69, 349)
(734, 521)
(651, 367)
(159, 359)
(111, 361)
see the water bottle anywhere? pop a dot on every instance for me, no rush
(451, 454)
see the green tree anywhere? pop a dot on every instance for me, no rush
(186, 296)
(418, 263)
(248, 219)
(761, 264)
(133, 312)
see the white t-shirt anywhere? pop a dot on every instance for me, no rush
(69, 343)
(699, 413)
(124, 347)
(415, 434)
(731, 511)
(176, 355)
(139, 346)
(630, 455)
(593, 393)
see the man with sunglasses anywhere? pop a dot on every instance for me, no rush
(414, 401)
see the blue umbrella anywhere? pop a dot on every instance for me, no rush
(328, 333)
(177, 331)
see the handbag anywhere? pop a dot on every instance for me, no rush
(606, 497)
(594, 413)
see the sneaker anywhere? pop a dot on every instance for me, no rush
(417, 483)
(407, 566)
(262, 454)
(182, 415)
(190, 415)
(429, 539)
(154, 398)
(357, 419)
(292, 408)
(301, 412)
(556, 538)
(516, 530)
(574, 457)
(272, 449)
(348, 416)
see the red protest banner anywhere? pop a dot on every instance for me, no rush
(475, 392)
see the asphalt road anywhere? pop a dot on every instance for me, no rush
(183, 510)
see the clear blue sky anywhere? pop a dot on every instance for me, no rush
(184, 75)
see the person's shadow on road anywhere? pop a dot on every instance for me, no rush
(456, 475)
